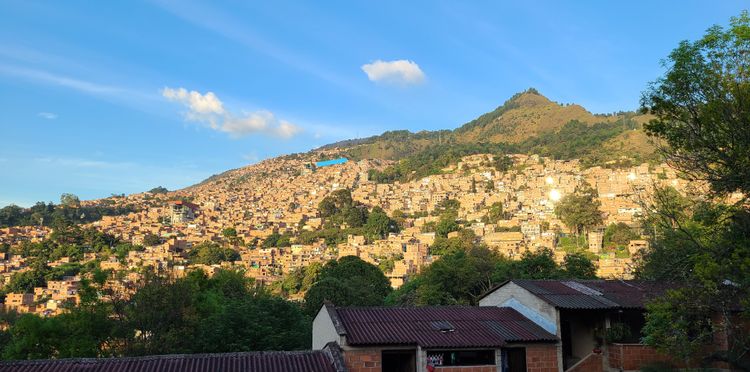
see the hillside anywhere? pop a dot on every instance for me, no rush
(527, 123)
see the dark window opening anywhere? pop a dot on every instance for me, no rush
(399, 360)
(514, 359)
(461, 357)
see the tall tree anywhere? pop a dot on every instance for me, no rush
(702, 107)
(580, 210)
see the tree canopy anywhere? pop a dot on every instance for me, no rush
(347, 282)
(702, 107)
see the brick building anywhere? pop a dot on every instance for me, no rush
(439, 338)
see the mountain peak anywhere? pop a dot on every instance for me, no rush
(529, 97)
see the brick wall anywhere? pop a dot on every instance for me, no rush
(467, 369)
(591, 363)
(633, 356)
(541, 358)
(362, 360)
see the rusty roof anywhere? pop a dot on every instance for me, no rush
(275, 361)
(595, 294)
(439, 326)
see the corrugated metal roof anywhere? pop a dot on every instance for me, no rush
(443, 326)
(595, 294)
(308, 361)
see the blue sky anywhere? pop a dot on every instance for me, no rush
(103, 97)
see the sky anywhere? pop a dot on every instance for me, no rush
(111, 97)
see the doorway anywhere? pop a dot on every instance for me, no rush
(399, 360)
(516, 358)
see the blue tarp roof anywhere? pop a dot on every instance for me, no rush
(331, 162)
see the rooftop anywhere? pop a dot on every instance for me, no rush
(436, 326)
(594, 294)
(275, 361)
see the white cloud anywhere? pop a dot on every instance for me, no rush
(199, 103)
(208, 109)
(399, 72)
(47, 115)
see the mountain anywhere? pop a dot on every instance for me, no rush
(527, 123)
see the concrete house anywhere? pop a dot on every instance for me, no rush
(598, 322)
(435, 338)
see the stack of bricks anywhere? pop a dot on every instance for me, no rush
(541, 358)
(362, 360)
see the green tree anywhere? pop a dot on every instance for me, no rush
(460, 276)
(580, 210)
(211, 253)
(379, 224)
(578, 266)
(702, 105)
(348, 281)
(70, 200)
(495, 212)
(151, 240)
(619, 234)
(446, 225)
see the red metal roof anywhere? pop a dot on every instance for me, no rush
(595, 294)
(277, 361)
(439, 326)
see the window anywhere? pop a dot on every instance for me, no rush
(461, 357)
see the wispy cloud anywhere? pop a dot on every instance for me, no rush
(47, 115)
(396, 72)
(209, 110)
(82, 163)
(80, 85)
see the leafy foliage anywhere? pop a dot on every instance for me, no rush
(580, 210)
(195, 314)
(348, 281)
(211, 253)
(702, 107)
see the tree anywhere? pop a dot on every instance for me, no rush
(460, 276)
(210, 253)
(580, 210)
(702, 107)
(538, 265)
(159, 190)
(619, 234)
(379, 224)
(70, 200)
(229, 232)
(151, 240)
(346, 282)
(578, 266)
(495, 212)
(446, 225)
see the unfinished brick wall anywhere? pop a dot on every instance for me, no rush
(541, 358)
(363, 360)
(633, 356)
(591, 363)
(467, 369)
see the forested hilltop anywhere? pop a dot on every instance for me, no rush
(527, 123)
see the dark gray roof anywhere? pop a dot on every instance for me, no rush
(439, 326)
(595, 294)
(327, 360)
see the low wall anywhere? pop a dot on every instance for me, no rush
(541, 358)
(631, 357)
